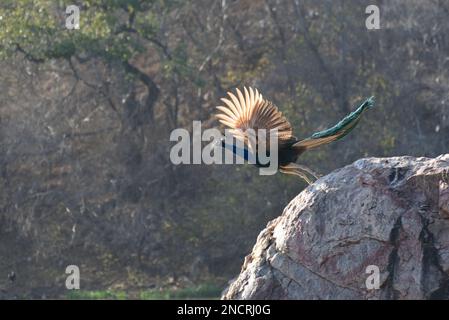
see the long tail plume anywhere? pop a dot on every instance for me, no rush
(338, 131)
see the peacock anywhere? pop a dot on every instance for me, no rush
(249, 110)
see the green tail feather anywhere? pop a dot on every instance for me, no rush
(347, 123)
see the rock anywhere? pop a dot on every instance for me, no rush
(390, 213)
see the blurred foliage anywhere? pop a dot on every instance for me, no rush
(202, 291)
(96, 295)
(85, 117)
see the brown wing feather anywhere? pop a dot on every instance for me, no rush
(249, 110)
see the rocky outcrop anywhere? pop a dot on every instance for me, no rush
(378, 214)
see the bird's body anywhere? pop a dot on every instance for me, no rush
(249, 110)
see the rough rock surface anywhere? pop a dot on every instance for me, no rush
(392, 213)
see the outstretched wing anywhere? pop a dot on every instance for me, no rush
(251, 111)
(338, 131)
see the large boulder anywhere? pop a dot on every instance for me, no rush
(378, 214)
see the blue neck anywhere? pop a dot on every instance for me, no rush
(236, 151)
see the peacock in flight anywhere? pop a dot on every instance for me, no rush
(249, 110)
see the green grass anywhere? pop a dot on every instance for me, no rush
(97, 295)
(203, 291)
